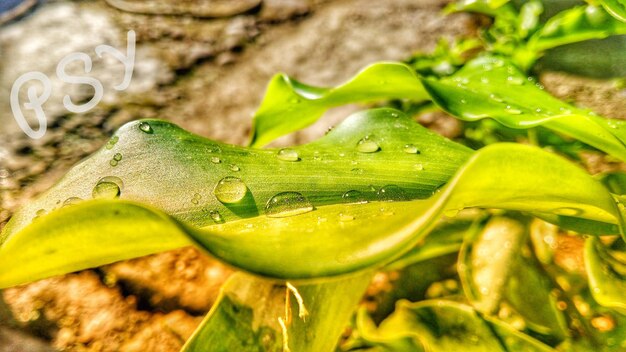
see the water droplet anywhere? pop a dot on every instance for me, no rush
(484, 80)
(108, 187)
(419, 167)
(230, 190)
(215, 160)
(366, 145)
(196, 198)
(463, 101)
(391, 192)
(234, 168)
(496, 98)
(216, 217)
(513, 111)
(111, 143)
(354, 196)
(287, 204)
(411, 149)
(288, 154)
(117, 157)
(317, 156)
(113, 163)
(71, 201)
(40, 212)
(518, 81)
(145, 127)
(345, 217)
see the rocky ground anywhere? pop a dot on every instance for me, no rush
(205, 68)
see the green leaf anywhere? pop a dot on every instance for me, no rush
(315, 244)
(289, 105)
(607, 274)
(176, 171)
(492, 8)
(486, 262)
(617, 8)
(240, 321)
(449, 326)
(575, 25)
(491, 87)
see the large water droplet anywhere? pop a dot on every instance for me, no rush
(288, 154)
(230, 190)
(354, 196)
(146, 128)
(366, 145)
(391, 192)
(411, 149)
(108, 187)
(287, 204)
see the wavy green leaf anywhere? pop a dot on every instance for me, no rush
(490, 87)
(607, 274)
(315, 244)
(289, 105)
(575, 25)
(440, 325)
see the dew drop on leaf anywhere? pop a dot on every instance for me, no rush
(518, 81)
(216, 217)
(111, 143)
(215, 160)
(411, 149)
(419, 167)
(146, 128)
(71, 201)
(117, 157)
(288, 154)
(496, 98)
(287, 204)
(230, 190)
(113, 163)
(366, 145)
(234, 168)
(354, 196)
(391, 193)
(108, 187)
(513, 111)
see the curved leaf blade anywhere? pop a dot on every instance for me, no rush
(289, 105)
(607, 274)
(490, 87)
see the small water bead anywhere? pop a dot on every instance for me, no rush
(230, 190)
(113, 163)
(354, 196)
(357, 171)
(117, 157)
(317, 156)
(146, 128)
(419, 167)
(518, 81)
(512, 110)
(111, 143)
(196, 198)
(216, 217)
(215, 160)
(391, 193)
(496, 98)
(366, 145)
(108, 187)
(40, 213)
(234, 168)
(463, 101)
(287, 204)
(288, 154)
(411, 149)
(71, 201)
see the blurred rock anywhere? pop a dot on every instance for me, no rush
(198, 8)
